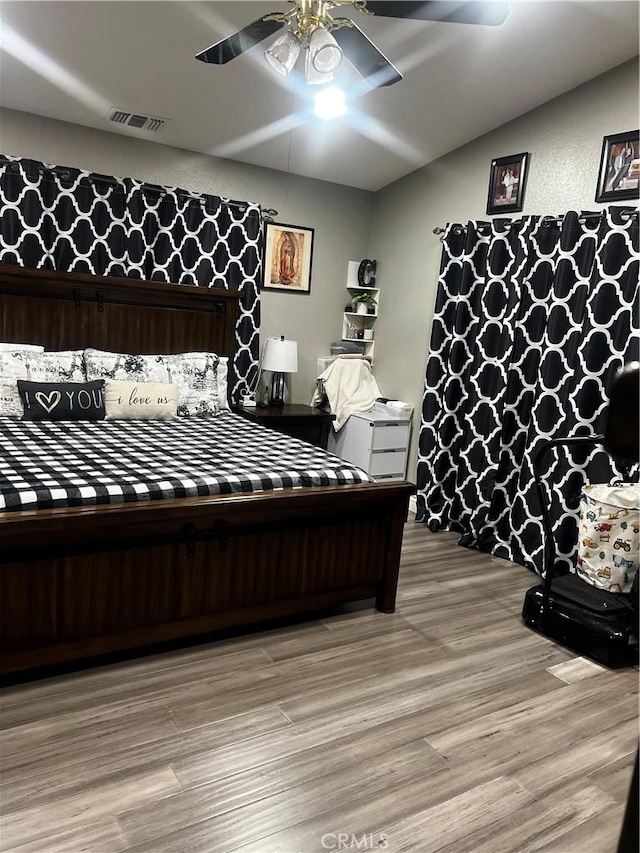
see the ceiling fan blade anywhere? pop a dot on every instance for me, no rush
(365, 57)
(490, 14)
(232, 46)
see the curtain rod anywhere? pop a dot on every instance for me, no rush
(545, 220)
(64, 174)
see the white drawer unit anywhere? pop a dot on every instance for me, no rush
(375, 442)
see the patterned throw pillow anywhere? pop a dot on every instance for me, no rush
(13, 366)
(194, 374)
(139, 400)
(21, 348)
(62, 401)
(223, 389)
(64, 366)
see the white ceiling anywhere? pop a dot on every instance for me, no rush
(74, 60)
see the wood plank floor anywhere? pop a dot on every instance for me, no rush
(447, 726)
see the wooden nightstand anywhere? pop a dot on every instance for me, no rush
(294, 419)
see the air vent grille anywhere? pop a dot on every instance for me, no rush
(137, 121)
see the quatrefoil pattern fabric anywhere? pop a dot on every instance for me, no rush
(67, 219)
(532, 320)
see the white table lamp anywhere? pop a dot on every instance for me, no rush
(281, 357)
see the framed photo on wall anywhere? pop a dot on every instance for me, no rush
(619, 177)
(288, 252)
(507, 181)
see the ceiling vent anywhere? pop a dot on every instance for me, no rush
(137, 121)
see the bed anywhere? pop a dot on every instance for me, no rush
(82, 581)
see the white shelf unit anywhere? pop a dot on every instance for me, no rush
(375, 442)
(352, 321)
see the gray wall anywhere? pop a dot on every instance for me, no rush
(340, 216)
(564, 138)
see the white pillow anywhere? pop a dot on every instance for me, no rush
(64, 366)
(193, 373)
(21, 348)
(13, 366)
(139, 400)
(223, 390)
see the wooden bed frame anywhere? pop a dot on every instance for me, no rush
(81, 582)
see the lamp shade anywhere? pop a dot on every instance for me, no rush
(312, 75)
(324, 50)
(280, 355)
(283, 53)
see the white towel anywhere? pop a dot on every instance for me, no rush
(350, 387)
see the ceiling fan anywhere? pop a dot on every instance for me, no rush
(309, 24)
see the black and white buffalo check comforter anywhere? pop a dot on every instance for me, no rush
(46, 464)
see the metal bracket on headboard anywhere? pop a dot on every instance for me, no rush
(100, 298)
(76, 298)
(221, 312)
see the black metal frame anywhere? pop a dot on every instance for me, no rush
(602, 194)
(521, 160)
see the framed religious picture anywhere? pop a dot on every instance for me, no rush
(288, 251)
(507, 182)
(619, 177)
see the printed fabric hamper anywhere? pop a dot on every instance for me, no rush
(609, 536)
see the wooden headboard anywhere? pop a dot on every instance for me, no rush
(77, 310)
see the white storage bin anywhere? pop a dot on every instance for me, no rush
(375, 442)
(389, 462)
(390, 436)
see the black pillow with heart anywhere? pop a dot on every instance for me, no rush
(62, 401)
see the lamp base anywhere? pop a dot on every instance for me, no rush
(277, 389)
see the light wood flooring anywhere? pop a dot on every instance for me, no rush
(447, 726)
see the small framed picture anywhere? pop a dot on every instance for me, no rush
(506, 184)
(288, 252)
(619, 167)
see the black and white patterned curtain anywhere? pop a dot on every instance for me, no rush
(533, 317)
(54, 217)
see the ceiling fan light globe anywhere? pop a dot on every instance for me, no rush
(283, 53)
(313, 77)
(324, 51)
